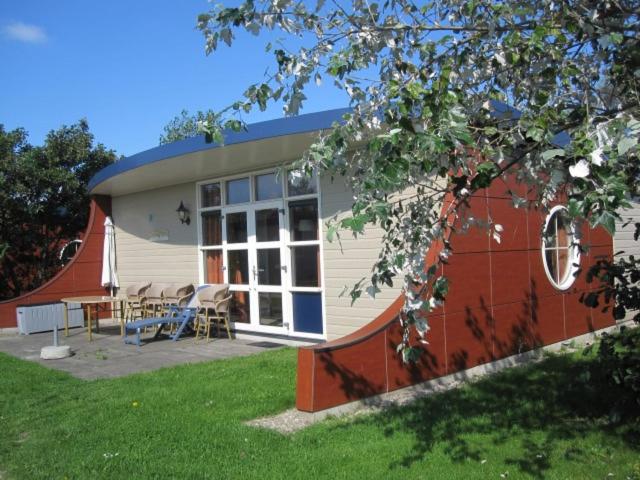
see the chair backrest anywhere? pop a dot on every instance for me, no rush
(194, 302)
(136, 290)
(143, 287)
(154, 292)
(212, 294)
(132, 290)
(222, 305)
(178, 293)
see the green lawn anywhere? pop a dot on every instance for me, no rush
(186, 422)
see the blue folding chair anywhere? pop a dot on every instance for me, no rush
(180, 316)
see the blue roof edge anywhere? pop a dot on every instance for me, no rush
(304, 123)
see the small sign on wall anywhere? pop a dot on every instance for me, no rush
(159, 236)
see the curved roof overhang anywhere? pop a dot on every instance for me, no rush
(261, 145)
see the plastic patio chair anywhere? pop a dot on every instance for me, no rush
(134, 295)
(176, 295)
(181, 317)
(153, 302)
(213, 307)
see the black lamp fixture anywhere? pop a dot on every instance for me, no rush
(183, 214)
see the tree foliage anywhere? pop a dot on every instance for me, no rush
(43, 200)
(186, 125)
(447, 96)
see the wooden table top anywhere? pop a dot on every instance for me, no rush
(91, 299)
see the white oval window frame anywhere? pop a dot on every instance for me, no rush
(574, 253)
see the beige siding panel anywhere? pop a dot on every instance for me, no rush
(623, 239)
(140, 216)
(345, 263)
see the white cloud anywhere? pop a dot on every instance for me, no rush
(24, 32)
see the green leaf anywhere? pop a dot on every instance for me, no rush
(616, 38)
(355, 223)
(440, 288)
(407, 124)
(574, 207)
(626, 144)
(331, 233)
(556, 152)
(486, 172)
(608, 221)
(535, 134)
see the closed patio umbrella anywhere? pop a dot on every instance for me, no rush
(109, 273)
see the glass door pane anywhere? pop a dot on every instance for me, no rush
(237, 227)
(303, 220)
(268, 277)
(240, 310)
(270, 306)
(254, 252)
(238, 266)
(213, 266)
(212, 228)
(268, 225)
(305, 267)
(269, 266)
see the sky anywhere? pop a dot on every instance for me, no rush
(128, 67)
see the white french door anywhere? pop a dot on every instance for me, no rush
(255, 268)
(260, 234)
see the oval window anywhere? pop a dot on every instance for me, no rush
(560, 249)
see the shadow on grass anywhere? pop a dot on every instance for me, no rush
(550, 399)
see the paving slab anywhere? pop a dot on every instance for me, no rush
(107, 356)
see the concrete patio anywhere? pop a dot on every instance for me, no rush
(108, 356)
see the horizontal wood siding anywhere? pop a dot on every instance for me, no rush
(137, 218)
(346, 262)
(623, 239)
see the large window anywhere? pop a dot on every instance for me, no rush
(304, 238)
(560, 249)
(211, 232)
(260, 233)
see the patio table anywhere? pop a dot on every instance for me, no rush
(96, 300)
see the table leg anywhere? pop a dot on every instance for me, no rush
(97, 318)
(121, 307)
(65, 314)
(89, 320)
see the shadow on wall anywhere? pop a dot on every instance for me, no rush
(486, 347)
(500, 303)
(456, 343)
(354, 384)
(151, 217)
(520, 335)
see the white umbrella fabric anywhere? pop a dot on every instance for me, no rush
(109, 273)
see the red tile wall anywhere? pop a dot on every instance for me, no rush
(81, 276)
(500, 303)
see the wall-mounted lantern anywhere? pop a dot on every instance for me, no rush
(183, 214)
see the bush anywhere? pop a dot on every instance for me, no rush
(617, 371)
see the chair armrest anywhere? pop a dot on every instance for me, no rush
(184, 297)
(224, 300)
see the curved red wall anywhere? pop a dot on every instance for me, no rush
(81, 276)
(500, 303)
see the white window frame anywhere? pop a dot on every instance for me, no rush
(287, 282)
(573, 251)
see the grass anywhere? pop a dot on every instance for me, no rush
(186, 422)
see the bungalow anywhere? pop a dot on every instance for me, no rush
(242, 223)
